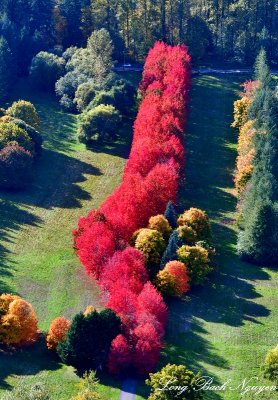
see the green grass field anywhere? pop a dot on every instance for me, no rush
(223, 329)
(37, 258)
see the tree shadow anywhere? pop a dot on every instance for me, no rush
(28, 360)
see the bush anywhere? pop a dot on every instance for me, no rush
(11, 134)
(84, 94)
(196, 259)
(18, 321)
(46, 69)
(66, 87)
(160, 224)
(187, 234)
(57, 332)
(198, 221)
(241, 112)
(270, 366)
(121, 96)
(32, 133)
(173, 279)
(179, 377)
(15, 167)
(151, 243)
(26, 111)
(89, 388)
(98, 124)
(89, 338)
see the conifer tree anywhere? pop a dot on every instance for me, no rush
(170, 215)
(170, 253)
(258, 240)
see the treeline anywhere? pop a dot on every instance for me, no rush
(230, 29)
(256, 117)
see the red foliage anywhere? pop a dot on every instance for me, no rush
(120, 356)
(147, 348)
(150, 180)
(95, 245)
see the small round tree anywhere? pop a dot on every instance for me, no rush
(198, 221)
(84, 94)
(11, 134)
(57, 332)
(15, 167)
(46, 69)
(181, 379)
(151, 243)
(270, 366)
(187, 234)
(196, 259)
(26, 111)
(18, 321)
(98, 124)
(173, 279)
(160, 224)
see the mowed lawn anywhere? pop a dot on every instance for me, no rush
(225, 328)
(37, 260)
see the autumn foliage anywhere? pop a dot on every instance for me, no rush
(57, 332)
(150, 181)
(18, 321)
(173, 280)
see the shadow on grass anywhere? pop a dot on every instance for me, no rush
(28, 360)
(229, 296)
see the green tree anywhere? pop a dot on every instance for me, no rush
(25, 111)
(6, 69)
(99, 124)
(88, 339)
(181, 382)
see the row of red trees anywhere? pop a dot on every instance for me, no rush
(150, 180)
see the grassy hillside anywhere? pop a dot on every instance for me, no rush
(226, 328)
(37, 259)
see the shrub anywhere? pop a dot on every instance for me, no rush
(270, 366)
(84, 94)
(180, 377)
(66, 88)
(160, 224)
(15, 167)
(11, 134)
(170, 215)
(26, 111)
(32, 133)
(18, 321)
(173, 279)
(46, 69)
(197, 220)
(57, 332)
(89, 388)
(187, 234)
(89, 338)
(98, 124)
(151, 243)
(196, 259)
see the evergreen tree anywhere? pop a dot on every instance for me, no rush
(170, 254)
(6, 67)
(170, 215)
(258, 240)
(88, 339)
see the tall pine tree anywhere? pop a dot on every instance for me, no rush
(257, 241)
